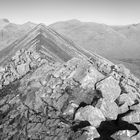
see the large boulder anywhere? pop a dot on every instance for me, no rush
(110, 88)
(92, 77)
(91, 114)
(109, 109)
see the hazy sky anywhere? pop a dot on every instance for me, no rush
(112, 12)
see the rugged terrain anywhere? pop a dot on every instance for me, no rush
(119, 44)
(51, 89)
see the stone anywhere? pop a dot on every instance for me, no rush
(104, 68)
(6, 82)
(35, 55)
(131, 92)
(79, 95)
(70, 109)
(0, 85)
(91, 78)
(91, 133)
(122, 135)
(133, 117)
(109, 109)
(33, 64)
(22, 69)
(91, 114)
(123, 70)
(123, 108)
(1, 74)
(136, 107)
(110, 88)
(35, 84)
(81, 72)
(125, 98)
(2, 69)
(60, 103)
(115, 75)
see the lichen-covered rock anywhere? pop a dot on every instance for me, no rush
(91, 114)
(110, 88)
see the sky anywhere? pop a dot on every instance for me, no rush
(111, 12)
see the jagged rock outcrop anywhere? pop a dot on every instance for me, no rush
(47, 96)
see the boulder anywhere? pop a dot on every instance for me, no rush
(133, 117)
(91, 114)
(22, 69)
(91, 133)
(92, 76)
(123, 70)
(123, 108)
(110, 88)
(131, 92)
(125, 98)
(109, 109)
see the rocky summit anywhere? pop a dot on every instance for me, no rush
(50, 89)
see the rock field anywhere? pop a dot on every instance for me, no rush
(49, 100)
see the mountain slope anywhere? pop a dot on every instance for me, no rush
(108, 41)
(117, 43)
(51, 89)
(100, 38)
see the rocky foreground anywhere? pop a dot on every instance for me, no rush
(80, 99)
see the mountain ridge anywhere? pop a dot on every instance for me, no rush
(53, 89)
(112, 42)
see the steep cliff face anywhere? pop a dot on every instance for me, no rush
(51, 89)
